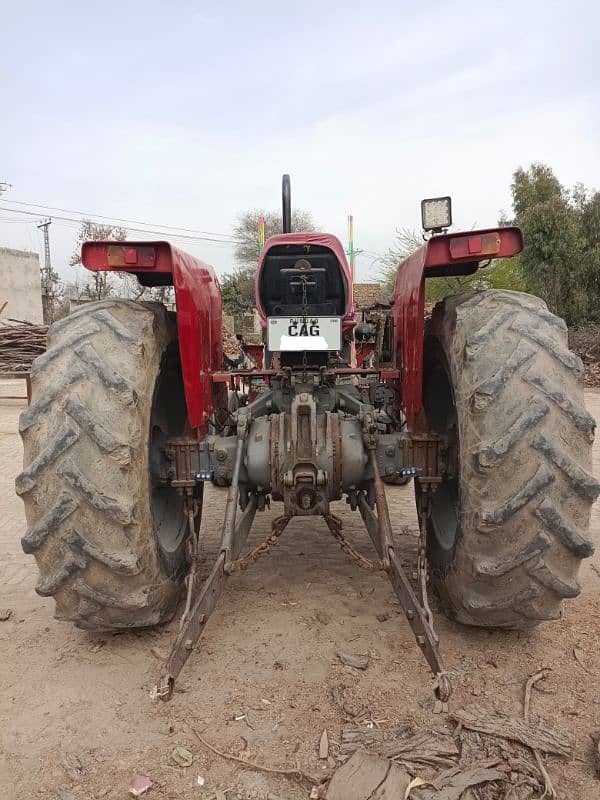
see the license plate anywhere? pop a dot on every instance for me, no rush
(304, 333)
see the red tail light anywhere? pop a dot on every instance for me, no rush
(131, 256)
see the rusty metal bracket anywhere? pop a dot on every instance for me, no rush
(191, 631)
(423, 631)
(418, 614)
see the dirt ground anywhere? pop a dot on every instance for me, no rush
(76, 721)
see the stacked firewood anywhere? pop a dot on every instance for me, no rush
(20, 343)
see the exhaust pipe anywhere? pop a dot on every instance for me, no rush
(286, 203)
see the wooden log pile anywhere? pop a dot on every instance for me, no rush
(20, 343)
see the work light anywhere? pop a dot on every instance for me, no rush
(436, 213)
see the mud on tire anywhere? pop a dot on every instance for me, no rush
(509, 524)
(109, 553)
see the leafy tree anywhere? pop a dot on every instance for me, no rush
(561, 257)
(588, 205)
(237, 287)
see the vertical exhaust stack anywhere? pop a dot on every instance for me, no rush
(286, 204)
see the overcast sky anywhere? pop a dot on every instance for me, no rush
(186, 113)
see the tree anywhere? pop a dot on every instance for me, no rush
(245, 230)
(100, 284)
(406, 241)
(237, 290)
(237, 287)
(588, 204)
(560, 259)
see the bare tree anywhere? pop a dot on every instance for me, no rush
(100, 284)
(406, 241)
(245, 231)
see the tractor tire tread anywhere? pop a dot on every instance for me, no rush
(85, 477)
(525, 469)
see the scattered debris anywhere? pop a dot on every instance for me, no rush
(354, 660)
(158, 654)
(549, 790)
(97, 645)
(233, 354)
(493, 723)
(383, 617)
(324, 745)
(350, 709)
(200, 780)
(451, 784)
(182, 757)
(355, 736)
(296, 774)
(366, 775)
(399, 743)
(5, 613)
(140, 784)
(414, 784)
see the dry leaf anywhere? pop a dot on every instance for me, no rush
(414, 784)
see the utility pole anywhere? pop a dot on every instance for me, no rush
(47, 293)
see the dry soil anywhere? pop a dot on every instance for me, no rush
(76, 721)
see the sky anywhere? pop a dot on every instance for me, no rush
(187, 113)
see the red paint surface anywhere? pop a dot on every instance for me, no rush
(408, 310)
(198, 298)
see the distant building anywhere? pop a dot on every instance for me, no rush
(20, 285)
(367, 294)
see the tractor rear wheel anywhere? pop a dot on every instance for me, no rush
(107, 531)
(508, 525)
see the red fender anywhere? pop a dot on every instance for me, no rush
(198, 299)
(448, 254)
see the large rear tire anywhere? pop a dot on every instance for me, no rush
(107, 534)
(509, 523)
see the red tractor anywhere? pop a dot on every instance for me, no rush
(483, 406)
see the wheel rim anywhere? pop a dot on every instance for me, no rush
(443, 529)
(168, 419)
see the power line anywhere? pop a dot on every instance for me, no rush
(154, 225)
(77, 222)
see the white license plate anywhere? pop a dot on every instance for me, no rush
(286, 334)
